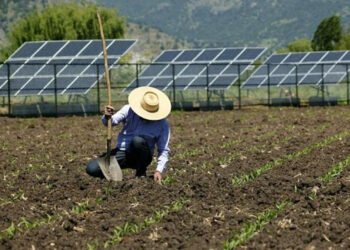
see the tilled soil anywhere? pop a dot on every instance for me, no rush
(43, 174)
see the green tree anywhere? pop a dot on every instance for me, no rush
(72, 21)
(301, 45)
(327, 34)
(344, 43)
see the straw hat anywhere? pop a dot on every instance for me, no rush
(149, 103)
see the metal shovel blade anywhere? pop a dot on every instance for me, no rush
(112, 171)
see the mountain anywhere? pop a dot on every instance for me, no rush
(216, 23)
(151, 41)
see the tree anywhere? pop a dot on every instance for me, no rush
(301, 45)
(327, 34)
(72, 21)
(344, 43)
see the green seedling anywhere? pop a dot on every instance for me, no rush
(93, 245)
(250, 229)
(99, 201)
(81, 207)
(4, 145)
(133, 228)
(107, 191)
(11, 231)
(335, 171)
(167, 180)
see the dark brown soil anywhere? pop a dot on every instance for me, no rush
(42, 173)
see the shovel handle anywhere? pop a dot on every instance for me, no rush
(105, 60)
(109, 125)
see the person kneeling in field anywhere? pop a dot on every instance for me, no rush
(144, 126)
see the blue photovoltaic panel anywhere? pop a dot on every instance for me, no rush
(32, 66)
(346, 58)
(168, 56)
(26, 50)
(71, 49)
(49, 49)
(208, 55)
(228, 54)
(196, 68)
(312, 68)
(93, 49)
(188, 56)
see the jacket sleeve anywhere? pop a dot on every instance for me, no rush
(163, 148)
(118, 117)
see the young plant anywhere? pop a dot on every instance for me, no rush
(132, 228)
(81, 207)
(251, 228)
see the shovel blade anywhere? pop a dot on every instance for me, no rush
(115, 170)
(111, 171)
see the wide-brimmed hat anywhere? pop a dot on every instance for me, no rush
(149, 103)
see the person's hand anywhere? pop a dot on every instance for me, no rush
(109, 111)
(158, 176)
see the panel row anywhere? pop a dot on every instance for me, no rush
(81, 48)
(209, 55)
(309, 68)
(190, 67)
(46, 86)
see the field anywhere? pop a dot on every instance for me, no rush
(252, 179)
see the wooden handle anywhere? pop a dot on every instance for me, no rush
(109, 127)
(105, 60)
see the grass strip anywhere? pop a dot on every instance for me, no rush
(134, 228)
(250, 229)
(237, 181)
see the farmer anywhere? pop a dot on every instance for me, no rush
(144, 126)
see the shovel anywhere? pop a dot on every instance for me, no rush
(108, 164)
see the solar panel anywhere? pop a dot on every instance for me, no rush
(32, 66)
(196, 68)
(305, 68)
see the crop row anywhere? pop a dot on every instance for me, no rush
(165, 183)
(250, 229)
(273, 212)
(320, 145)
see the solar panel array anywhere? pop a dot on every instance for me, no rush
(311, 68)
(196, 68)
(32, 66)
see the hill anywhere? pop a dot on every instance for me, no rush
(216, 23)
(150, 40)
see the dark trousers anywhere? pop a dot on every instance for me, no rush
(137, 156)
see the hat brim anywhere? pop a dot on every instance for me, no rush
(136, 96)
